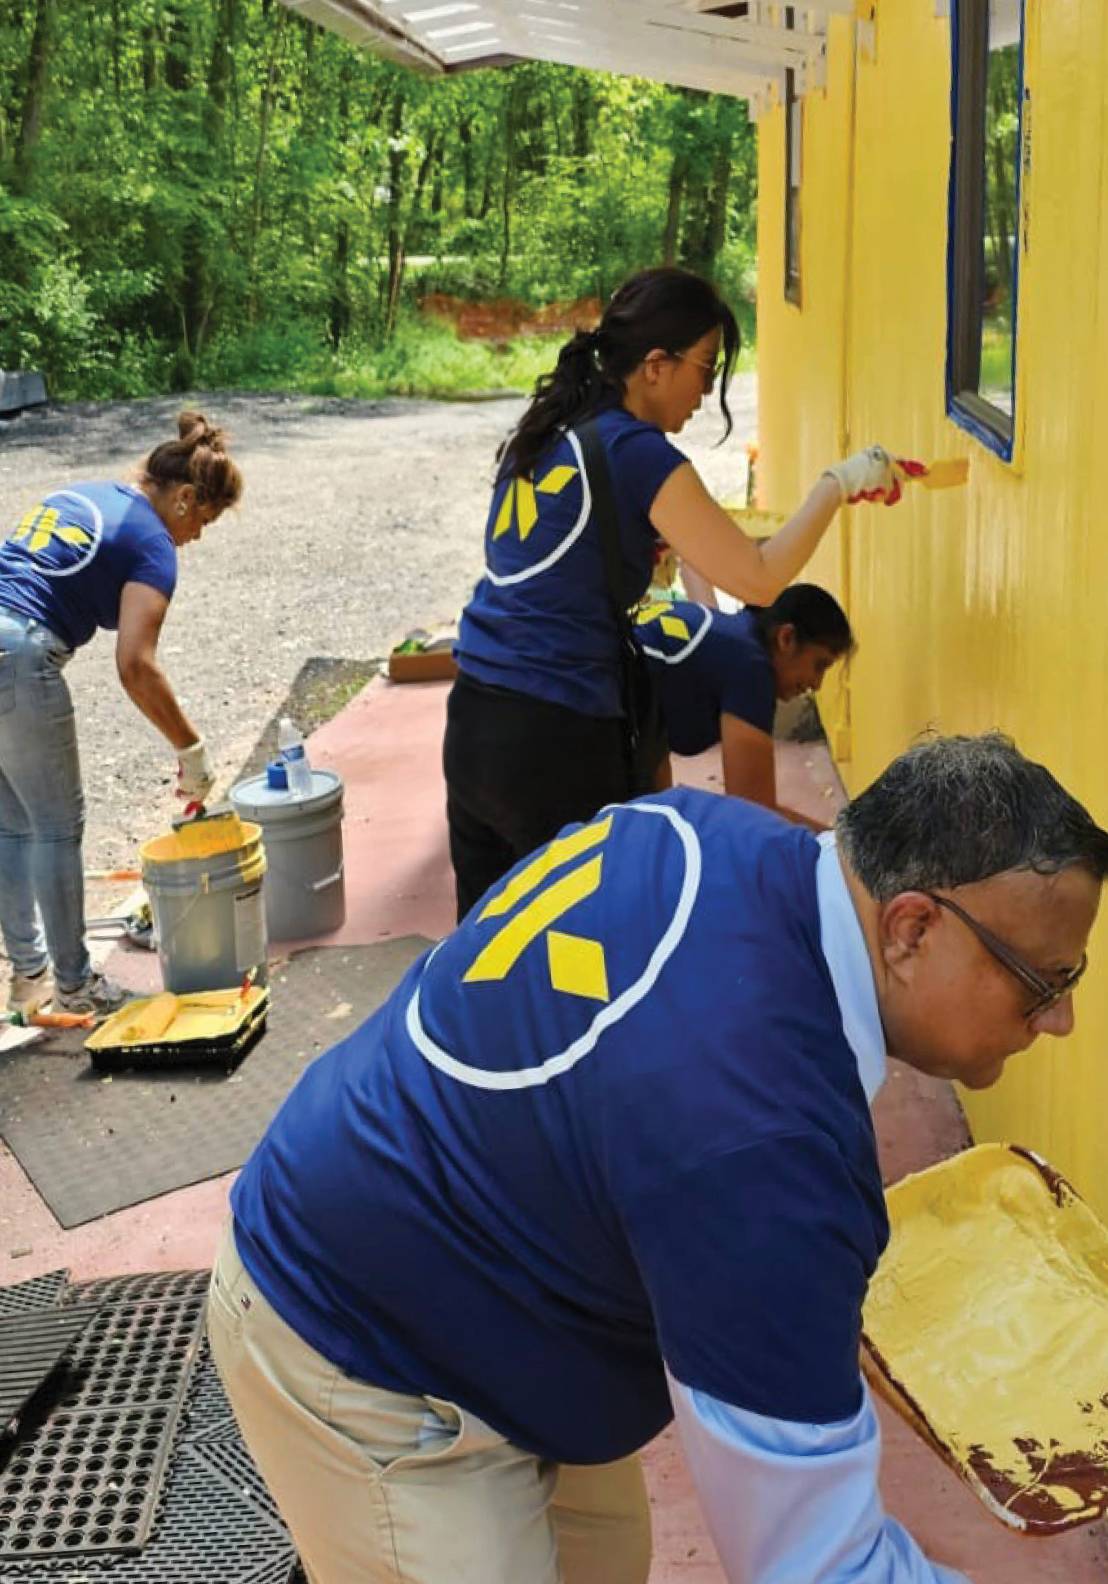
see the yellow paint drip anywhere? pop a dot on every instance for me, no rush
(989, 1312)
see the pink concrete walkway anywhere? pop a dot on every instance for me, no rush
(385, 744)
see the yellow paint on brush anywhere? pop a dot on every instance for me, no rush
(946, 474)
(988, 1316)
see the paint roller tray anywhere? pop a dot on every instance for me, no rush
(213, 1027)
(987, 1328)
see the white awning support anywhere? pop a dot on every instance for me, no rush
(719, 46)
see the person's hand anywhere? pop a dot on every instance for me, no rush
(195, 776)
(868, 475)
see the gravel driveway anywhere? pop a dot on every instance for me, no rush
(360, 520)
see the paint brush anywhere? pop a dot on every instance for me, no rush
(944, 474)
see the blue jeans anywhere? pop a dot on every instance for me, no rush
(42, 806)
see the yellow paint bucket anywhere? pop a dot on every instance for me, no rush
(204, 882)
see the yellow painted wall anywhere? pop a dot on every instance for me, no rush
(988, 606)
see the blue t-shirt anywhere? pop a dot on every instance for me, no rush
(612, 1118)
(706, 663)
(540, 621)
(66, 561)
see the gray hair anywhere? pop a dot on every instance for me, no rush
(958, 809)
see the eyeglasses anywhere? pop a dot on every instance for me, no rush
(712, 371)
(1047, 992)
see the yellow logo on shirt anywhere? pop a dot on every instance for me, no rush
(43, 523)
(576, 963)
(672, 626)
(519, 504)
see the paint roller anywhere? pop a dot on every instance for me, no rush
(149, 1020)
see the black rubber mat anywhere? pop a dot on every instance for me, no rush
(39, 1292)
(84, 1473)
(212, 1518)
(32, 1347)
(92, 1144)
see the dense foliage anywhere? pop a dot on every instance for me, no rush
(217, 190)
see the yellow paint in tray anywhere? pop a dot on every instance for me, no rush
(199, 1018)
(987, 1326)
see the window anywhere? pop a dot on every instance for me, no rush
(988, 106)
(794, 122)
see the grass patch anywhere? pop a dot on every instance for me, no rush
(425, 358)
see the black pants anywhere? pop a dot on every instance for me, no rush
(517, 770)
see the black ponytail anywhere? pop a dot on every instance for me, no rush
(816, 616)
(667, 308)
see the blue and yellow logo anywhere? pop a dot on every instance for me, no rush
(576, 964)
(581, 983)
(61, 538)
(549, 502)
(662, 612)
(520, 510)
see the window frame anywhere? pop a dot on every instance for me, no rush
(969, 35)
(793, 103)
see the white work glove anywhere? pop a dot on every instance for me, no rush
(195, 776)
(867, 475)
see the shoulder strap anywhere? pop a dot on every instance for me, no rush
(604, 510)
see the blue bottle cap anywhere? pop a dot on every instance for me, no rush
(276, 776)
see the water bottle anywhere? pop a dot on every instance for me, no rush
(290, 750)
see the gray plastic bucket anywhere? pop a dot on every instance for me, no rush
(209, 916)
(305, 892)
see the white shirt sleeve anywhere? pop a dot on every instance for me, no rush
(789, 1502)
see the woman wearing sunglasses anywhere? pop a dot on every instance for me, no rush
(536, 733)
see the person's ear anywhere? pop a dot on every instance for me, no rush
(184, 499)
(653, 364)
(785, 640)
(905, 924)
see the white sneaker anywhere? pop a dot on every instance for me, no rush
(30, 992)
(97, 994)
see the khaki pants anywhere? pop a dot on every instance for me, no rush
(381, 1488)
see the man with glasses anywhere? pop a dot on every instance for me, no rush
(606, 1156)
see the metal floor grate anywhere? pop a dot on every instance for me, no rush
(176, 1461)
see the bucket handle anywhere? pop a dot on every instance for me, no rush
(328, 880)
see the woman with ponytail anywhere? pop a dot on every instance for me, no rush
(536, 735)
(720, 677)
(88, 556)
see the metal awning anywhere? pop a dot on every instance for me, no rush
(718, 45)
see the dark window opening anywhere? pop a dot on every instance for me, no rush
(794, 125)
(988, 111)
